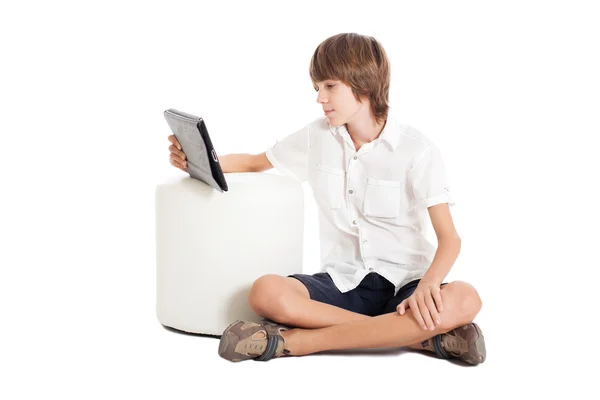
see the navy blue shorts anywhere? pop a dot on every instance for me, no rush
(373, 296)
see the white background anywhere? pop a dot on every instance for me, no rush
(508, 90)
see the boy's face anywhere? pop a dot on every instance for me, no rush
(337, 96)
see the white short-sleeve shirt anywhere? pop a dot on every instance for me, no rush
(373, 202)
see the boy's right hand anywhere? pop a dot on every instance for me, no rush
(178, 158)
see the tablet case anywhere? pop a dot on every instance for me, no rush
(202, 160)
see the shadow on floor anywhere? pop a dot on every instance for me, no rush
(190, 333)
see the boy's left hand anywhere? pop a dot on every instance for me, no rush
(423, 303)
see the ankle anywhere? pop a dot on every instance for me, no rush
(289, 343)
(426, 344)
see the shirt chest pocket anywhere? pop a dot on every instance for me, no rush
(330, 185)
(383, 198)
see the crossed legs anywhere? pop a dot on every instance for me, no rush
(322, 326)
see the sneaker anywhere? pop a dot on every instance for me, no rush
(465, 343)
(243, 340)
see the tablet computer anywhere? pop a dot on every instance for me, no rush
(202, 160)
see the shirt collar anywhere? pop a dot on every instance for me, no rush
(390, 133)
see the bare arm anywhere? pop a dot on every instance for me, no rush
(245, 163)
(449, 243)
(229, 162)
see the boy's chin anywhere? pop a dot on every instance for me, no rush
(335, 121)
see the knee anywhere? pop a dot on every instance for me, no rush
(266, 294)
(465, 305)
(471, 302)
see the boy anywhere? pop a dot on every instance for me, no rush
(381, 282)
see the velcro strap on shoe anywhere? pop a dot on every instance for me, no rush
(269, 353)
(438, 348)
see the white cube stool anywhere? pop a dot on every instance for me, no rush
(211, 246)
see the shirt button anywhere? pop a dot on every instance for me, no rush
(354, 222)
(364, 240)
(355, 157)
(370, 269)
(351, 191)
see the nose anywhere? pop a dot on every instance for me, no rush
(321, 98)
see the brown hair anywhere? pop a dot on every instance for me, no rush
(360, 62)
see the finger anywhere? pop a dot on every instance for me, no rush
(173, 139)
(177, 162)
(437, 296)
(425, 312)
(174, 150)
(415, 310)
(433, 311)
(401, 307)
(405, 306)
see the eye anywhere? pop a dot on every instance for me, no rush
(330, 85)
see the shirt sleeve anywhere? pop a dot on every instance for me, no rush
(429, 179)
(290, 155)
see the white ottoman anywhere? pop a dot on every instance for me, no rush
(211, 246)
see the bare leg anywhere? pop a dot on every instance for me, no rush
(461, 304)
(287, 301)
